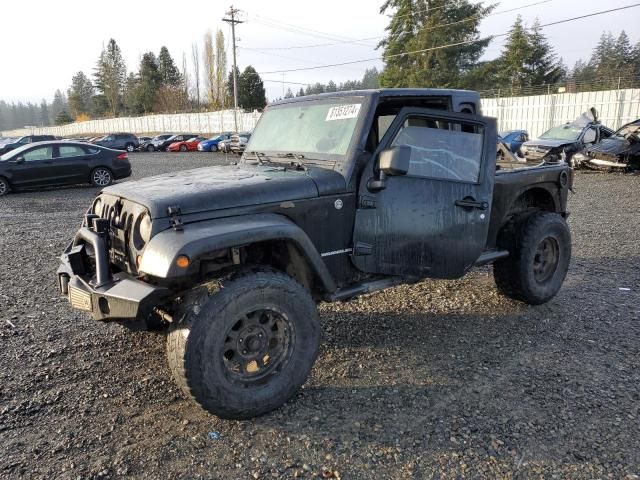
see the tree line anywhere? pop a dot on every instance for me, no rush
(527, 61)
(412, 55)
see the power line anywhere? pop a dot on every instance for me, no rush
(466, 19)
(298, 29)
(457, 44)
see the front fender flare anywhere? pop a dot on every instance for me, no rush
(198, 239)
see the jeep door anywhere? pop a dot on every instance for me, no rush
(433, 221)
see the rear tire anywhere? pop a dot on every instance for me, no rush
(214, 148)
(540, 252)
(101, 177)
(183, 148)
(151, 148)
(244, 345)
(130, 147)
(4, 186)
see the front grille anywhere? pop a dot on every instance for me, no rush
(121, 215)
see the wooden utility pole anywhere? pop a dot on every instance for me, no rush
(231, 19)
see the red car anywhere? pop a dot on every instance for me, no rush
(190, 145)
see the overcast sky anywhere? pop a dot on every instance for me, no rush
(43, 43)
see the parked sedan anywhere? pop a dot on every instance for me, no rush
(162, 144)
(212, 144)
(149, 146)
(17, 143)
(61, 163)
(190, 145)
(567, 139)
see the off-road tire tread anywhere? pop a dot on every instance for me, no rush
(509, 273)
(225, 291)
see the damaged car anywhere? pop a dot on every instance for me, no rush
(564, 141)
(621, 151)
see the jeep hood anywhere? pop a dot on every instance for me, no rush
(217, 188)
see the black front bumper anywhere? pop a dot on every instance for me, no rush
(96, 290)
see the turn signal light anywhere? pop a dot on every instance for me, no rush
(182, 261)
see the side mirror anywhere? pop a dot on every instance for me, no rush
(394, 161)
(20, 159)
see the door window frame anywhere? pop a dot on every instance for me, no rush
(432, 114)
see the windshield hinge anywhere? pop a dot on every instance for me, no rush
(362, 249)
(366, 202)
(174, 218)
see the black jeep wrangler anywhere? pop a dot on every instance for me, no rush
(336, 195)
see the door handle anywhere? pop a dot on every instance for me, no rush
(470, 202)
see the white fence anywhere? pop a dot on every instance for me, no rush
(535, 114)
(208, 122)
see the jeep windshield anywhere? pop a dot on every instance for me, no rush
(318, 130)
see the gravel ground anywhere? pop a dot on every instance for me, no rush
(442, 379)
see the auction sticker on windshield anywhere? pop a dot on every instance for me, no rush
(342, 112)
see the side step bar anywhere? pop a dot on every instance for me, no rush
(384, 283)
(366, 287)
(491, 256)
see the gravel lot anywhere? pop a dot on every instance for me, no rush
(443, 379)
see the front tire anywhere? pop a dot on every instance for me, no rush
(101, 177)
(214, 148)
(183, 148)
(4, 186)
(540, 251)
(244, 345)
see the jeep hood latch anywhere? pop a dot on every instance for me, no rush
(174, 218)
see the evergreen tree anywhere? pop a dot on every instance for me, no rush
(131, 101)
(169, 73)
(289, 93)
(542, 63)
(59, 104)
(63, 118)
(110, 76)
(80, 95)
(514, 60)
(230, 86)
(300, 92)
(149, 82)
(371, 78)
(251, 93)
(636, 60)
(428, 25)
(44, 119)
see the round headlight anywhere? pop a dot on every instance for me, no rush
(142, 231)
(145, 228)
(97, 207)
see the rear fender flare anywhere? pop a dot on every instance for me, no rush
(201, 238)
